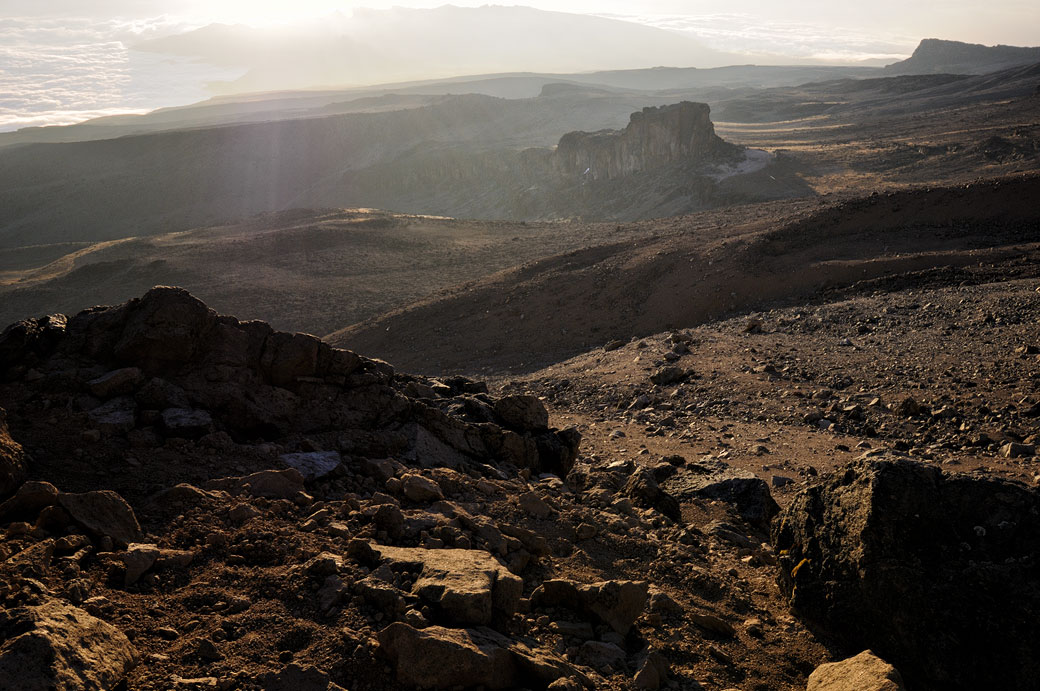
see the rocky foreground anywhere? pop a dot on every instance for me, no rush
(194, 502)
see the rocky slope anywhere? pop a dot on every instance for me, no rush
(192, 501)
(692, 270)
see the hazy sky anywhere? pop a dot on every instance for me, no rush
(1006, 21)
(64, 61)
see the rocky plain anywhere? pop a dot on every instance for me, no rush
(786, 439)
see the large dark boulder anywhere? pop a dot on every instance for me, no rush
(937, 573)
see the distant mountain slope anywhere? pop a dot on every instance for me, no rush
(378, 46)
(935, 56)
(685, 271)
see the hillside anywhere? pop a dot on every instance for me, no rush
(693, 270)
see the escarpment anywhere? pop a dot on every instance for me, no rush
(654, 137)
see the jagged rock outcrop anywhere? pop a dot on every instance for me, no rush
(196, 373)
(654, 137)
(936, 572)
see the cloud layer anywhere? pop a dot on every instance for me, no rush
(60, 71)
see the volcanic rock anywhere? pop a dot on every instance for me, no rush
(952, 556)
(55, 646)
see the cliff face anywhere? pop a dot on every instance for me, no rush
(654, 137)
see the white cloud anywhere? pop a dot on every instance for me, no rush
(749, 35)
(60, 71)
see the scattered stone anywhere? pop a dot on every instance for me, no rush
(137, 559)
(782, 481)
(1016, 450)
(613, 345)
(534, 505)
(864, 672)
(668, 375)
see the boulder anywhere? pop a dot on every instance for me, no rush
(56, 646)
(138, 558)
(952, 557)
(522, 413)
(30, 336)
(12, 460)
(104, 513)
(31, 498)
(162, 330)
(617, 603)
(864, 672)
(464, 586)
(668, 375)
(421, 489)
(713, 479)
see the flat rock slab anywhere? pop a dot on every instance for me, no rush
(441, 658)
(313, 464)
(56, 646)
(466, 586)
